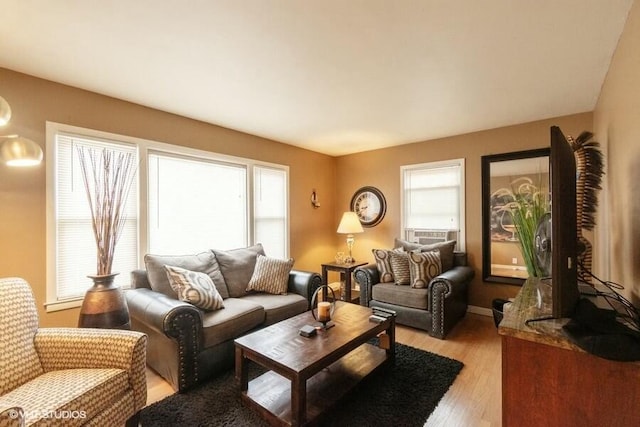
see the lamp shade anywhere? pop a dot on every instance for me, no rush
(18, 151)
(350, 224)
(5, 112)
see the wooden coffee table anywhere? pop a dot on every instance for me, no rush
(308, 375)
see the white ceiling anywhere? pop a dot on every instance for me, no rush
(333, 76)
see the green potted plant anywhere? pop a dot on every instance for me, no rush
(529, 202)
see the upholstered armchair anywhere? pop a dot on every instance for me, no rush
(65, 376)
(436, 306)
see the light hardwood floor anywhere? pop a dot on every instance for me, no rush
(474, 399)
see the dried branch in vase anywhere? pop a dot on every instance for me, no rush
(108, 176)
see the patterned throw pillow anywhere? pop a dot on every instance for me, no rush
(424, 266)
(400, 267)
(271, 275)
(194, 287)
(383, 263)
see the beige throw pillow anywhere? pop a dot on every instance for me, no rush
(194, 287)
(271, 275)
(424, 266)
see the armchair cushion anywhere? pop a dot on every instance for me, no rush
(237, 267)
(405, 296)
(204, 262)
(424, 266)
(81, 393)
(271, 275)
(194, 287)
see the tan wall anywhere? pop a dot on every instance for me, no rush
(381, 169)
(22, 191)
(617, 126)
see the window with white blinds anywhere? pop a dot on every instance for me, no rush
(189, 201)
(270, 209)
(433, 196)
(195, 204)
(74, 239)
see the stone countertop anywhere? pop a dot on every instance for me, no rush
(528, 306)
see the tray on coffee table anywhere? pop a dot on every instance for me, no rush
(308, 375)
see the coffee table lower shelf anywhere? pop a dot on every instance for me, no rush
(270, 393)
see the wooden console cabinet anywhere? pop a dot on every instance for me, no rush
(548, 381)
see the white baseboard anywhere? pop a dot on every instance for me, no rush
(480, 310)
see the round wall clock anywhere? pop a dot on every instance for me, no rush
(370, 206)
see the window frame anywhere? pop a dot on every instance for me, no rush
(144, 147)
(460, 163)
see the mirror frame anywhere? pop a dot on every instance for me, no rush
(487, 161)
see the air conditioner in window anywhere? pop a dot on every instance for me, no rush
(428, 237)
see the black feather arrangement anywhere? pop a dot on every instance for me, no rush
(590, 169)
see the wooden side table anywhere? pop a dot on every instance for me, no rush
(345, 270)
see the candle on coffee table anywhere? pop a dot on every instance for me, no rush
(324, 311)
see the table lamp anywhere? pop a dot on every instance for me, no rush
(349, 225)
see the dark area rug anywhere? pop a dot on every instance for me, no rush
(402, 395)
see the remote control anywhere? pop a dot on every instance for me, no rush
(376, 319)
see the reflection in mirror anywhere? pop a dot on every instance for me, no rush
(515, 194)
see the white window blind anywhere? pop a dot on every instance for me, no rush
(195, 204)
(433, 196)
(270, 210)
(75, 247)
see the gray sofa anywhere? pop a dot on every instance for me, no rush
(187, 345)
(435, 308)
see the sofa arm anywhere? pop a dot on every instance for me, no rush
(161, 313)
(448, 298)
(72, 348)
(304, 283)
(366, 276)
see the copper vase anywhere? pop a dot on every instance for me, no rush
(104, 305)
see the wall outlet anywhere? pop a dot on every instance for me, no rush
(514, 260)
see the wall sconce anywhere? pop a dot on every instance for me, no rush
(314, 199)
(16, 150)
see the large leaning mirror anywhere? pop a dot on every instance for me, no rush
(515, 190)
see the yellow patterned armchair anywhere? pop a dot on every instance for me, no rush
(65, 376)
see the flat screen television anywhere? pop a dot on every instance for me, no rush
(564, 234)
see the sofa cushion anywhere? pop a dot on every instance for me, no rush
(237, 267)
(194, 287)
(424, 266)
(400, 267)
(279, 307)
(271, 275)
(446, 250)
(238, 316)
(405, 296)
(204, 262)
(81, 392)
